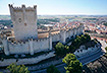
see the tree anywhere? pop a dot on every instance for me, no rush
(67, 49)
(78, 41)
(73, 65)
(60, 49)
(72, 48)
(88, 38)
(52, 69)
(106, 49)
(13, 68)
(83, 38)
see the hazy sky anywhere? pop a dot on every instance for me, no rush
(60, 7)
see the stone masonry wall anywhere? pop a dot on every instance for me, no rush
(25, 22)
(25, 48)
(33, 60)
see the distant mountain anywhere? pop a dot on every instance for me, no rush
(7, 17)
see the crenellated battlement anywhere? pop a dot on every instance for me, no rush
(23, 7)
(55, 34)
(15, 42)
(26, 41)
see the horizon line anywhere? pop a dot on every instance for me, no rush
(68, 14)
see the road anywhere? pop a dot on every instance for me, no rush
(83, 61)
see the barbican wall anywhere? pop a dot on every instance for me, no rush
(33, 60)
(83, 52)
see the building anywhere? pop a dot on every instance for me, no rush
(24, 21)
(26, 39)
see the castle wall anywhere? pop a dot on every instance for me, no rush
(69, 34)
(19, 48)
(25, 28)
(41, 45)
(5, 45)
(29, 47)
(33, 60)
(86, 52)
(33, 46)
(55, 37)
(62, 36)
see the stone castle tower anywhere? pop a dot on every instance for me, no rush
(24, 22)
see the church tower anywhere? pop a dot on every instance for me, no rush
(24, 22)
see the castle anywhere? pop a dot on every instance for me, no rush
(26, 36)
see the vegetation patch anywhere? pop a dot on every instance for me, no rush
(13, 68)
(52, 69)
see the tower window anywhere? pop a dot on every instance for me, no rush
(25, 24)
(20, 20)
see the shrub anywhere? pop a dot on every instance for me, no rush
(60, 49)
(52, 69)
(13, 68)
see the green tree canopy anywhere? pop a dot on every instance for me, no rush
(13, 68)
(73, 65)
(52, 69)
(83, 38)
(106, 49)
(60, 49)
(88, 38)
